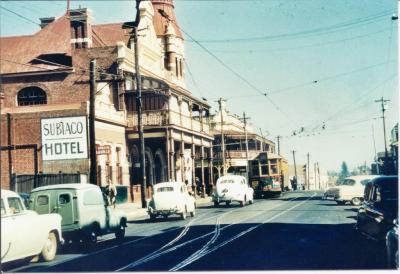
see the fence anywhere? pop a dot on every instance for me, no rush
(27, 182)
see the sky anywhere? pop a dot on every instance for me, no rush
(310, 67)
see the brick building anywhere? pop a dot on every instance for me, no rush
(45, 83)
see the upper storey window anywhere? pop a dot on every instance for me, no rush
(32, 96)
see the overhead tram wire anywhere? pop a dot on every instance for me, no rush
(336, 41)
(237, 74)
(312, 32)
(337, 113)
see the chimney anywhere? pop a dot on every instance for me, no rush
(45, 21)
(81, 28)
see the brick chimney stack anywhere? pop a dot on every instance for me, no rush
(81, 28)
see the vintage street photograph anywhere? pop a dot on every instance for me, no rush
(199, 135)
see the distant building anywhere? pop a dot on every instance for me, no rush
(234, 133)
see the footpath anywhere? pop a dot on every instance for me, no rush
(134, 211)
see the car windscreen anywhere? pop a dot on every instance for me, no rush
(165, 189)
(348, 182)
(227, 181)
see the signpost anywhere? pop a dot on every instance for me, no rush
(64, 138)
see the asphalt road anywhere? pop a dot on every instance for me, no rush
(297, 231)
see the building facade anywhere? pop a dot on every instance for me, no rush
(45, 83)
(237, 157)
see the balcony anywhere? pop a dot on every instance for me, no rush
(149, 118)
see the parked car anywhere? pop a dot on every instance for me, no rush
(351, 189)
(84, 210)
(392, 245)
(24, 233)
(171, 198)
(232, 188)
(375, 217)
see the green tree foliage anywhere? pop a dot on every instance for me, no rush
(344, 171)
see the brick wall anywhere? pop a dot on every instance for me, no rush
(24, 129)
(61, 90)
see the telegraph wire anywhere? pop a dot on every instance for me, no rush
(237, 74)
(316, 31)
(336, 41)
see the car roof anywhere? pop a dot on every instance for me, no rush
(173, 184)
(380, 180)
(237, 177)
(361, 177)
(8, 193)
(65, 186)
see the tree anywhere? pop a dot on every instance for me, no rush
(344, 172)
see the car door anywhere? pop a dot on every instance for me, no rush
(26, 234)
(65, 207)
(7, 223)
(374, 213)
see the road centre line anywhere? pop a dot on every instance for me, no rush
(154, 256)
(204, 253)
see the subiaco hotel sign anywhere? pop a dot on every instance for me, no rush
(64, 138)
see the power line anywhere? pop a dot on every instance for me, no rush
(311, 32)
(237, 74)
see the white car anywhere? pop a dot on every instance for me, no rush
(24, 233)
(351, 189)
(232, 188)
(171, 198)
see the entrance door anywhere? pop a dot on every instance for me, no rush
(65, 208)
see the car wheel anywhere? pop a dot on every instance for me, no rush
(251, 201)
(50, 248)
(152, 217)
(91, 237)
(356, 201)
(120, 233)
(216, 204)
(193, 213)
(243, 203)
(341, 202)
(183, 214)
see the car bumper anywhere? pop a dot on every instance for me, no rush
(152, 211)
(225, 198)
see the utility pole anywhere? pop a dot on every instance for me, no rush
(294, 161)
(139, 108)
(308, 171)
(247, 144)
(315, 175)
(319, 176)
(92, 114)
(383, 108)
(375, 158)
(222, 136)
(279, 146)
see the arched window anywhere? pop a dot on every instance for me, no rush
(32, 96)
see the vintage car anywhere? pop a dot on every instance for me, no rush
(171, 198)
(84, 210)
(232, 188)
(351, 189)
(392, 246)
(26, 234)
(380, 208)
